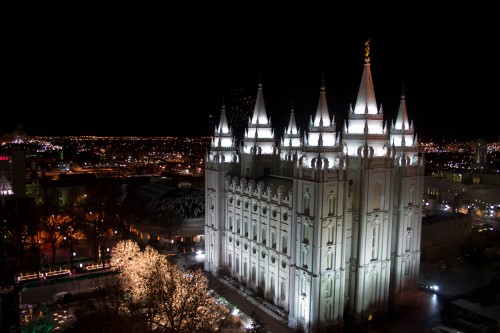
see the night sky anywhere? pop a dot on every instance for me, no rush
(152, 72)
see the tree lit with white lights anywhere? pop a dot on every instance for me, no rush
(174, 300)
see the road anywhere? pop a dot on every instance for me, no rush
(426, 315)
(43, 294)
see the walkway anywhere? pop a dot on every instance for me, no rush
(272, 322)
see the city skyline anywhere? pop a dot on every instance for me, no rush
(115, 79)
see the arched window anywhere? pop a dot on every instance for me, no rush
(305, 232)
(284, 244)
(263, 236)
(377, 192)
(273, 239)
(272, 285)
(328, 287)
(331, 203)
(307, 199)
(410, 220)
(230, 226)
(374, 240)
(245, 228)
(302, 309)
(262, 282)
(328, 311)
(303, 285)
(212, 200)
(283, 290)
(305, 253)
(254, 231)
(374, 287)
(408, 242)
(329, 259)
(411, 196)
(330, 234)
(238, 225)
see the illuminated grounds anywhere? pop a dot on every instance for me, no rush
(61, 311)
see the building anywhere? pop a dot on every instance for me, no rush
(176, 217)
(12, 182)
(445, 235)
(324, 224)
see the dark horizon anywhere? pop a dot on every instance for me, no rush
(112, 77)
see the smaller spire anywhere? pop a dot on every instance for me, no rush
(292, 125)
(223, 124)
(402, 121)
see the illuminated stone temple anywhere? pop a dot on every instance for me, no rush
(323, 224)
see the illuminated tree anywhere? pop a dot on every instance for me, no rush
(72, 233)
(101, 215)
(51, 232)
(131, 210)
(174, 299)
(15, 220)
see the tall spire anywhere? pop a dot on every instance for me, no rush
(366, 119)
(259, 112)
(259, 132)
(366, 92)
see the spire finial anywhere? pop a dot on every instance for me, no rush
(403, 92)
(322, 81)
(367, 48)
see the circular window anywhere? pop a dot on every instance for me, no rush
(246, 204)
(245, 245)
(283, 263)
(238, 202)
(273, 258)
(263, 254)
(254, 250)
(264, 209)
(255, 207)
(237, 242)
(230, 239)
(275, 212)
(231, 199)
(285, 215)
